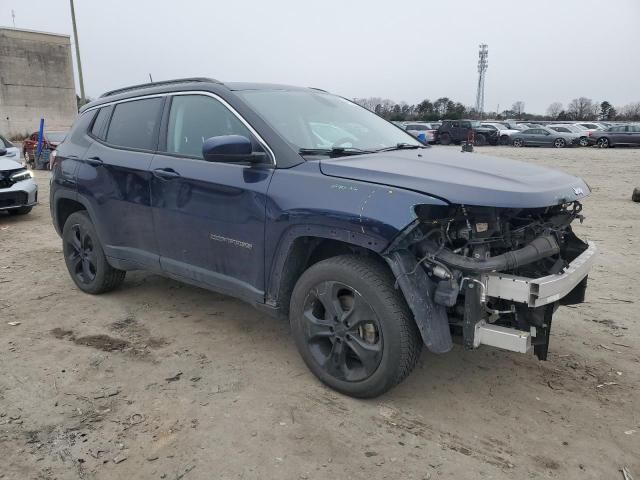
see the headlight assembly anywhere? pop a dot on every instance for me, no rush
(21, 175)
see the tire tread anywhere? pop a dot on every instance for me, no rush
(376, 273)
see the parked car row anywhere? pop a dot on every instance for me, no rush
(524, 134)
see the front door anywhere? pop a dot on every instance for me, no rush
(209, 216)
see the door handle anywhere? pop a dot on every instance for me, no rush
(94, 161)
(165, 173)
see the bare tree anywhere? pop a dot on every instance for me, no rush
(554, 110)
(580, 108)
(631, 111)
(518, 108)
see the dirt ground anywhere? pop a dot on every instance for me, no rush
(163, 380)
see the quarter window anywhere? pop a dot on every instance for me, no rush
(134, 124)
(100, 123)
(195, 118)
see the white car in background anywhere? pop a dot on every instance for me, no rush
(504, 133)
(422, 131)
(18, 189)
(12, 151)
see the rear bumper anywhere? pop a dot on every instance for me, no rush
(537, 292)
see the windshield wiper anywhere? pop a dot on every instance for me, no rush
(334, 151)
(401, 146)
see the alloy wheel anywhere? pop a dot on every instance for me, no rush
(517, 142)
(603, 142)
(82, 255)
(559, 143)
(342, 331)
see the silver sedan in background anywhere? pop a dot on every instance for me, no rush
(544, 137)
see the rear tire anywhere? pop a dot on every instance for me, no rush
(603, 142)
(84, 256)
(352, 328)
(559, 143)
(445, 139)
(584, 141)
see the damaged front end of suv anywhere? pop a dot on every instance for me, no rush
(491, 276)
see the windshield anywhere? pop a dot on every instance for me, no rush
(318, 120)
(56, 136)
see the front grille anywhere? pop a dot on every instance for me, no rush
(13, 199)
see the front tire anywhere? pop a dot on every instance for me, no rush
(481, 140)
(85, 258)
(20, 211)
(517, 142)
(352, 328)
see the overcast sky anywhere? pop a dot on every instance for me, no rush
(539, 52)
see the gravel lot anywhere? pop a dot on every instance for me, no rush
(163, 380)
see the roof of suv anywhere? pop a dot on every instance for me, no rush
(182, 84)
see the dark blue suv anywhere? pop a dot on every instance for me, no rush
(313, 208)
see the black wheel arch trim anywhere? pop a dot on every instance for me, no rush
(281, 260)
(432, 319)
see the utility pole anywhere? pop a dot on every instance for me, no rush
(13, 17)
(483, 63)
(77, 42)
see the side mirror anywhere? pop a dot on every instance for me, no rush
(3, 152)
(231, 149)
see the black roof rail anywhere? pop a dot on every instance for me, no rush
(159, 84)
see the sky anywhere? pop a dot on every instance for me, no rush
(539, 52)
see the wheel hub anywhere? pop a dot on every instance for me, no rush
(342, 331)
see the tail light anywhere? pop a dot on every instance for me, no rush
(589, 134)
(53, 155)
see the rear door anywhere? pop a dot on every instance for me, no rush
(209, 216)
(114, 178)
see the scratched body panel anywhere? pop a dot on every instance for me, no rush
(303, 196)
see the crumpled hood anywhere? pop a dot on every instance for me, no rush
(462, 178)
(8, 164)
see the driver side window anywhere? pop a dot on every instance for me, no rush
(196, 118)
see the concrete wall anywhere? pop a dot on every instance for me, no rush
(36, 81)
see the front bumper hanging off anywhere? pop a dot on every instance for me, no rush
(536, 292)
(567, 287)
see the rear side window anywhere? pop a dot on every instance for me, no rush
(196, 118)
(100, 123)
(134, 124)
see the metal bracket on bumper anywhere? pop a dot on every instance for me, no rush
(536, 292)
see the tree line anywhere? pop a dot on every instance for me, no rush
(581, 108)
